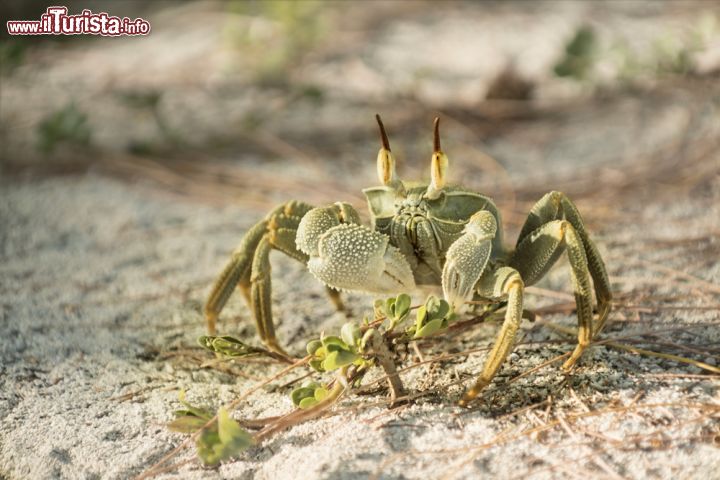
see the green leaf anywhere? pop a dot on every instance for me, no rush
(360, 361)
(232, 435)
(209, 447)
(229, 346)
(432, 303)
(333, 343)
(308, 395)
(308, 402)
(321, 393)
(312, 346)
(350, 334)
(420, 317)
(320, 353)
(187, 424)
(431, 317)
(317, 365)
(436, 308)
(224, 440)
(338, 359)
(191, 410)
(441, 310)
(389, 308)
(402, 306)
(301, 393)
(430, 328)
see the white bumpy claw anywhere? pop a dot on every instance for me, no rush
(348, 256)
(466, 259)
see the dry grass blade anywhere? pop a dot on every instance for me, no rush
(666, 356)
(504, 438)
(641, 351)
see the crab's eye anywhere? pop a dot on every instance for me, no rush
(385, 166)
(386, 163)
(438, 170)
(438, 164)
(385, 159)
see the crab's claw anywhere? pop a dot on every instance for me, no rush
(466, 259)
(349, 256)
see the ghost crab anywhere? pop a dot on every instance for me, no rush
(422, 234)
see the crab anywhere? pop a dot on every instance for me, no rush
(422, 234)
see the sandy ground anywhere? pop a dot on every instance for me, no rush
(103, 273)
(102, 285)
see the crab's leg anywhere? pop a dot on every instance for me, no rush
(249, 268)
(535, 255)
(466, 259)
(504, 282)
(260, 289)
(557, 206)
(236, 269)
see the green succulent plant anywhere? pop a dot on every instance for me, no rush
(396, 309)
(432, 317)
(332, 352)
(309, 395)
(222, 439)
(229, 346)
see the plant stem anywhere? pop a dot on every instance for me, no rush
(385, 359)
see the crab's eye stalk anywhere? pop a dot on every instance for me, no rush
(438, 164)
(385, 159)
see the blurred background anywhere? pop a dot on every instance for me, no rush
(250, 103)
